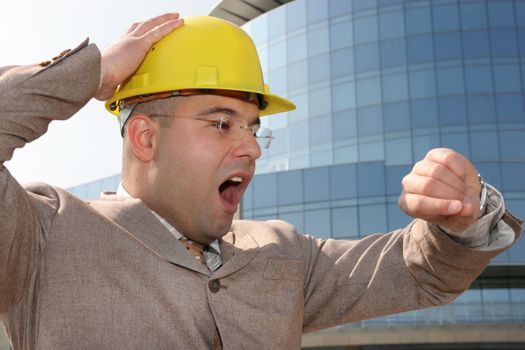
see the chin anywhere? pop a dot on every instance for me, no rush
(223, 229)
(215, 226)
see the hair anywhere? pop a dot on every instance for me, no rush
(160, 107)
(165, 106)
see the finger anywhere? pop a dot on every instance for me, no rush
(461, 167)
(431, 187)
(428, 207)
(453, 222)
(151, 23)
(441, 173)
(162, 30)
(132, 27)
(452, 160)
(470, 206)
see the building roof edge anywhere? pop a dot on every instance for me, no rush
(243, 11)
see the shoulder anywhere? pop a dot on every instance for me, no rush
(51, 198)
(43, 194)
(55, 198)
(271, 233)
(264, 227)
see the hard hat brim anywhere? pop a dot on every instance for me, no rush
(275, 104)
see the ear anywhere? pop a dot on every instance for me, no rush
(142, 133)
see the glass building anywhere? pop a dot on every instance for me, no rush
(377, 84)
(93, 189)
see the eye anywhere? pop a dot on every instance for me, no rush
(255, 130)
(225, 125)
(216, 124)
(220, 123)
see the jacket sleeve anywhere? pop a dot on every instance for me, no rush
(30, 98)
(412, 268)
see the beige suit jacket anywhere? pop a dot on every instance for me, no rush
(107, 274)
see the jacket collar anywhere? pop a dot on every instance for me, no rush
(238, 248)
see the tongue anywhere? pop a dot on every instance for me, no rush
(230, 194)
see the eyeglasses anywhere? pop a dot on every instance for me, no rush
(232, 128)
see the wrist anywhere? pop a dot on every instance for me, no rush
(105, 87)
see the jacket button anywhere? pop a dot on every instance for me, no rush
(214, 285)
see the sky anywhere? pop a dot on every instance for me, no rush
(86, 147)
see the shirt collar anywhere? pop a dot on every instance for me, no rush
(121, 191)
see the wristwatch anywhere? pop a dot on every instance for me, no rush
(482, 196)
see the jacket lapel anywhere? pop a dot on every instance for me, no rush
(238, 249)
(138, 221)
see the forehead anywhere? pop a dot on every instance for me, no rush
(203, 104)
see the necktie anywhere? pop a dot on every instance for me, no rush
(196, 249)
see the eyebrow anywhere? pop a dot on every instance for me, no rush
(215, 110)
(225, 110)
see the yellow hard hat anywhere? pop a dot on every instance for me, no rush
(206, 53)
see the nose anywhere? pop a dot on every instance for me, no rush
(248, 147)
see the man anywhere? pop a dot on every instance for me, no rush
(161, 265)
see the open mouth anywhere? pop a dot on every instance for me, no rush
(231, 191)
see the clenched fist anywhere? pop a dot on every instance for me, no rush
(443, 189)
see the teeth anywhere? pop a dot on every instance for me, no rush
(236, 179)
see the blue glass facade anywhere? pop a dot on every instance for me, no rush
(377, 85)
(92, 190)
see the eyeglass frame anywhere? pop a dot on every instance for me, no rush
(264, 140)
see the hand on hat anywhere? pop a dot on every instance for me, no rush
(124, 56)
